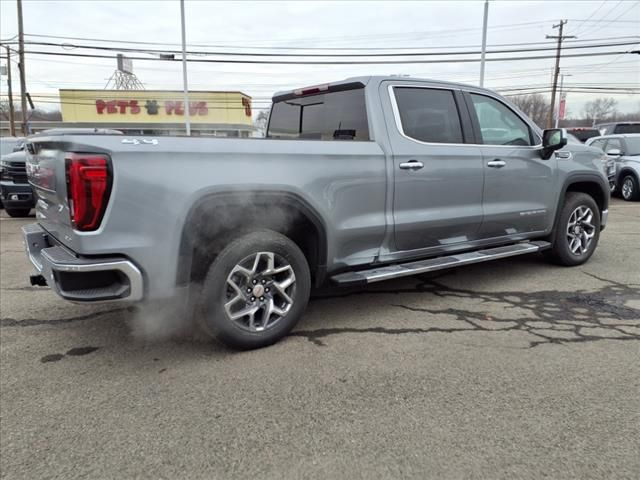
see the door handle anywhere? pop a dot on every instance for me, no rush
(496, 163)
(411, 165)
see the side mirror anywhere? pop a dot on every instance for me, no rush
(614, 152)
(552, 139)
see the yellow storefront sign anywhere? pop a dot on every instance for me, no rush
(154, 106)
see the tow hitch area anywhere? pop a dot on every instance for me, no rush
(38, 280)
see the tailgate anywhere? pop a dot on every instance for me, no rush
(51, 175)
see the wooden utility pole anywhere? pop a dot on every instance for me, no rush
(557, 69)
(23, 82)
(12, 124)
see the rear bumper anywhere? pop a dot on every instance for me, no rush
(16, 195)
(81, 279)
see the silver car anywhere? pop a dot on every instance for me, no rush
(624, 150)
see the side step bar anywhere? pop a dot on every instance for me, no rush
(439, 263)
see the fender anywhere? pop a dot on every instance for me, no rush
(582, 177)
(238, 197)
(625, 171)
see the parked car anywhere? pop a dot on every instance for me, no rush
(583, 134)
(15, 192)
(625, 151)
(8, 145)
(573, 139)
(618, 128)
(358, 181)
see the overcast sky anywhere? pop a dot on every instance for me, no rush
(238, 25)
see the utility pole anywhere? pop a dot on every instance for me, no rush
(484, 41)
(556, 72)
(184, 71)
(23, 83)
(12, 124)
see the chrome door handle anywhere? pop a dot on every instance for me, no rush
(496, 163)
(411, 165)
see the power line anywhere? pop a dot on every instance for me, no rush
(331, 55)
(604, 17)
(294, 48)
(589, 17)
(354, 62)
(615, 19)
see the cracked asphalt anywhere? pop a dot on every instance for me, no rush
(510, 369)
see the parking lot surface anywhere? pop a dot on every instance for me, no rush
(510, 369)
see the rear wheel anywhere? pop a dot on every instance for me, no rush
(17, 212)
(577, 232)
(629, 188)
(255, 291)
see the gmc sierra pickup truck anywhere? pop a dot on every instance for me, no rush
(358, 181)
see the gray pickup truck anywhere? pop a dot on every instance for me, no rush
(358, 181)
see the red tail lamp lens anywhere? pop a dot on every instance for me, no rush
(88, 186)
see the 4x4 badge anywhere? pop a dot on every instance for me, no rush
(135, 141)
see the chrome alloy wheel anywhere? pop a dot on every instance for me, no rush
(259, 291)
(580, 230)
(627, 188)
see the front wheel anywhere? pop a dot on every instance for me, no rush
(577, 232)
(255, 291)
(629, 188)
(17, 212)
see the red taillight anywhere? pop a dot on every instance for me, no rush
(88, 187)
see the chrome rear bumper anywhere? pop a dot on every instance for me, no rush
(77, 278)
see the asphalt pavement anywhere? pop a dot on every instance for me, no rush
(511, 369)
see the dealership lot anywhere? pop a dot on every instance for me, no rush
(508, 369)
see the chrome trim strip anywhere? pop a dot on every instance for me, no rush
(604, 216)
(398, 121)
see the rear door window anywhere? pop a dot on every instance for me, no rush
(499, 125)
(428, 115)
(330, 116)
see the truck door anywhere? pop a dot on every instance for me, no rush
(519, 186)
(437, 199)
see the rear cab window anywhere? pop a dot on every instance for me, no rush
(321, 115)
(428, 115)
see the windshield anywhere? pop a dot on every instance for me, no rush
(330, 116)
(633, 145)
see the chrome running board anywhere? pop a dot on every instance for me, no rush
(387, 272)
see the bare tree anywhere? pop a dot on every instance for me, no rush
(599, 109)
(4, 109)
(535, 106)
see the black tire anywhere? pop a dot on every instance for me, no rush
(216, 291)
(629, 188)
(17, 212)
(561, 252)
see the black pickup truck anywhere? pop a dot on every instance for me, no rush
(15, 191)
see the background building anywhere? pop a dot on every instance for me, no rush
(153, 112)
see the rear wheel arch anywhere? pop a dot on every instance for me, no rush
(216, 219)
